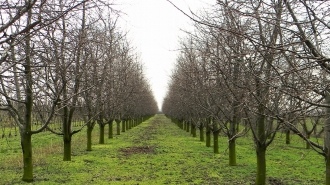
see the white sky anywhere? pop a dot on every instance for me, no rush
(154, 28)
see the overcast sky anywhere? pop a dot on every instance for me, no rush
(154, 28)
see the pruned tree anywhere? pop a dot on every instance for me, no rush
(26, 86)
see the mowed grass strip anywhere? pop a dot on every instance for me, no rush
(158, 152)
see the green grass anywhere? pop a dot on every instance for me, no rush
(158, 152)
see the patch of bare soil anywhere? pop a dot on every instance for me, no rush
(147, 134)
(138, 150)
(142, 138)
(274, 181)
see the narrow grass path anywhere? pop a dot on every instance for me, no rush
(158, 152)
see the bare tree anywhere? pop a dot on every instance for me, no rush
(22, 60)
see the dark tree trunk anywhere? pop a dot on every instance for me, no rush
(66, 134)
(25, 132)
(261, 147)
(208, 136)
(327, 169)
(89, 138)
(216, 142)
(327, 141)
(193, 127)
(123, 126)
(232, 152)
(27, 157)
(201, 133)
(118, 127)
(287, 136)
(261, 165)
(101, 139)
(67, 148)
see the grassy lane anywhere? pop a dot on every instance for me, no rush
(158, 152)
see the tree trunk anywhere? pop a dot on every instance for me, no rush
(25, 132)
(216, 142)
(308, 146)
(118, 127)
(110, 132)
(327, 170)
(27, 157)
(234, 124)
(184, 125)
(327, 141)
(67, 148)
(201, 133)
(89, 138)
(261, 165)
(66, 135)
(180, 124)
(261, 147)
(188, 124)
(101, 139)
(208, 136)
(123, 124)
(232, 152)
(193, 130)
(287, 136)
(232, 140)
(127, 123)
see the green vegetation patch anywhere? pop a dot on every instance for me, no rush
(158, 152)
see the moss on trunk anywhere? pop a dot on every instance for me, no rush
(89, 138)
(208, 136)
(67, 148)
(193, 128)
(327, 169)
(201, 133)
(261, 165)
(101, 138)
(287, 136)
(27, 157)
(232, 152)
(123, 126)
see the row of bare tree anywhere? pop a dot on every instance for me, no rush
(260, 64)
(68, 61)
